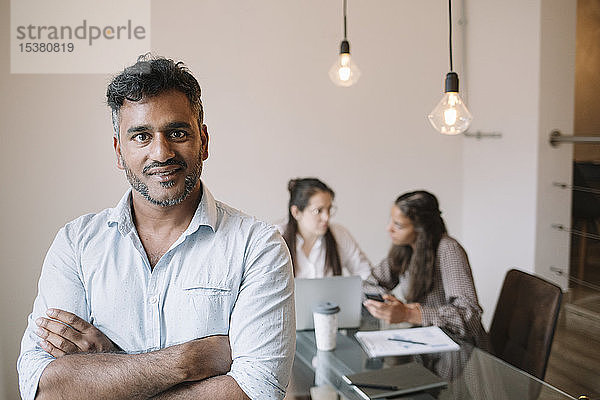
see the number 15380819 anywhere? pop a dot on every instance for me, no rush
(49, 47)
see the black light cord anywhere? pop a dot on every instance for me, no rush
(345, 38)
(449, 31)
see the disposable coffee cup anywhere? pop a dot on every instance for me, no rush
(326, 322)
(326, 392)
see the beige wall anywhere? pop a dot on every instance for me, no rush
(499, 175)
(273, 114)
(556, 104)
(520, 64)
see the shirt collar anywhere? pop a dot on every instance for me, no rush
(206, 213)
(300, 241)
(121, 214)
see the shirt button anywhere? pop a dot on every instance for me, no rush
(153, 300)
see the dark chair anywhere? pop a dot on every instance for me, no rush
(524, 321)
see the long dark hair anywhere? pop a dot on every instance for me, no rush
(423, 210)
(301, 190)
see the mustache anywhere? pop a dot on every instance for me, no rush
(157, 164)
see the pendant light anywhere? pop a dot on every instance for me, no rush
(344, 72)
(451, 116)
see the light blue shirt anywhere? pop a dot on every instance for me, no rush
(228, 273)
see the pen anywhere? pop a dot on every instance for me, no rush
(375, 386)
(406, 341)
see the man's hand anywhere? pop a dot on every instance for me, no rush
(65, 333)
(394, 311)
(205, 358)
(175, 372)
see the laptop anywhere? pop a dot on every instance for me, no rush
(345, 291)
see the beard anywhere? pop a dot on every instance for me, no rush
(191, 180)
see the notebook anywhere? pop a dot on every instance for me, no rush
(403, 342)
(402, 379)
(345, 291)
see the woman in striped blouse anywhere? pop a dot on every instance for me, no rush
(431, 269)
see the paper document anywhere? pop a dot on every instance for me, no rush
(400, 342)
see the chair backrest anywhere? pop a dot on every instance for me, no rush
(524, 321)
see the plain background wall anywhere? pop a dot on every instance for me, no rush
(499, 175)
(520, 68)
(556, 111)
(273, 114)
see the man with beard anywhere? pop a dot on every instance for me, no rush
(171, 294)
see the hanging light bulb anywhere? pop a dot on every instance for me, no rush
(344, 72)
(451, 116)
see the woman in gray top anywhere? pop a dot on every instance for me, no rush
(432, 270)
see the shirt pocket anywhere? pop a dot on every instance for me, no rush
(212, 304)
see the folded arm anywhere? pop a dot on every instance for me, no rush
(218, 387)
(175, 372)
(135, 376)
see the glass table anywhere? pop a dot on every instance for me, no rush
(471, 373)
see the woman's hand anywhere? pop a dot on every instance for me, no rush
(394, 311)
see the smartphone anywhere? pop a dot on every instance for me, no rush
(374, 296)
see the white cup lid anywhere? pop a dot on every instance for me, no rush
(327, 308)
